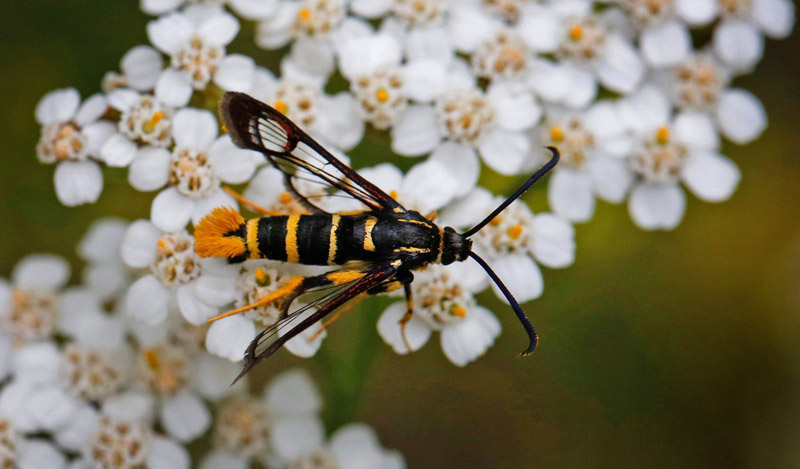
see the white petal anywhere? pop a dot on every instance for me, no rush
(129, 406)
(123, 98)
(776, 17)
(515, 108)
(78, 182)
(363, 55)
(52, 407)
(309, 59)
(220, 29)
(273, 33)
(611, 178)
(150, 169)
(41, 272)
(293, 393)
(166, 454)
(666, 44)
(147, 300)
(235, 73)
(229, 337)
(296, 437)
(232, 164)
(416, 131)
(254, 9)
(36, 454)
(339, 121)
(582, 88)
(141, 66)
(185, 416)
(504, 152)
(91, 109)
(370, 8)
(194, 310)
(118, 151)
(97, 134)
(657, 206)
(213, 377)
(15, 404)
(37, 362)
(554, 241)
(424, 79)
(58, 106)
(217, 285)
(697, 12)
(540, 28)
(417, 332)
(138, 248)
(218, 198)
(646, 110)
(467, 340)
(385, 175)
(266, 186)
(521, 275)
(461, 160)
(74, 435)
(170, 32)
(711, 176)
(551, 80)
(738, 43)
(741, 116)
(158, 7)
(431, 184)
(173, 88)
(695, 130)
(468, 210)
(620, 68)
(430, 42)
(570, 194)
(469, 27)
(105, 280)
(194, 128)
(171, 211)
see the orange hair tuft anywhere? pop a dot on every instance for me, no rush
(212, 236)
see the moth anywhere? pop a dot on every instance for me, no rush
(376, 248)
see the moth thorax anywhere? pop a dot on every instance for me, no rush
(455, 247)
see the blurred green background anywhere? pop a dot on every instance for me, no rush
(657, 349)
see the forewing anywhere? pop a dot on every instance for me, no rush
(311, 171)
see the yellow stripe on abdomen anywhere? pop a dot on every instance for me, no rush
(292, 254)
(332, 241)
(252, 238)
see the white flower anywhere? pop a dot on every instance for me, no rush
(512, 241)
(334, 120)
(73, 137)
(668, 150)
(589, 51)
(664, 26)
(283, 425)
(177, 277)
(443, 302)
(140, 68)
(700, 83)
(143, 119)
(738, 39)
(29, 304)
(195, 39)
(494, 122)
(296, 19)
(592, 145)
(192, 172)
(105, 273)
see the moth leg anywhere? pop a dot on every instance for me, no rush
(288, 290)
(407, 317)
(251, 204)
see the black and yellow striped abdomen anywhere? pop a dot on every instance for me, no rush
(320, 239)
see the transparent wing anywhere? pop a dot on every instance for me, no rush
(310, 171)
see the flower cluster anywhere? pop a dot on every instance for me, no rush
(122, 370)
(83, 386)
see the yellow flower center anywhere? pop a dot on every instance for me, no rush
(280, 106)
(662, 135)
(515, 231)
(286, 198)
(556, 134)
(576, 33)
(382, 95)
(458, 311)
(261, 277)
(151, 124)
(304, 14)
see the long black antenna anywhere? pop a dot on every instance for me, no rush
(538, 174)
(526, 323)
